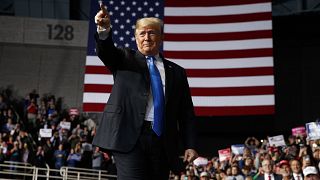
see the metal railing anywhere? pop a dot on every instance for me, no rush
(25, 171)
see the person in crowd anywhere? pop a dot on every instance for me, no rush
(292, 149)
(306, 161)
(221, 175)
(150, 105)
(9, 126)
(60, 156)
(40, 158)
(247, 171)
(235, 173)
(284, 169)
(13, 115)
(32, 111)
(53, 114)
(296, 170)
(86, 149)
(311, 173)
(267, 171)
(316, 155)
(42, 108)
(204, 175)
(25, 153)
(97, 158)
(252, 143)
(74, 158)
(14, 154)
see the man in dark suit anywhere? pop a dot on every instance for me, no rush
(150, 110)
(267, 168)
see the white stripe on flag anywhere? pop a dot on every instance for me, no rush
(225, 63)
(217, 45)
(93, 61)
(205, 101)
(218, 10)
(98, 79)
(244, 81)
(218, 28)
(95, 97)
(217, 101)
(207, 63)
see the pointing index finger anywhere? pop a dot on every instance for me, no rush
(103, 7)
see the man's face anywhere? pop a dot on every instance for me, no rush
(149, 39)
(295, 166)
(267, 166)
(234, 171)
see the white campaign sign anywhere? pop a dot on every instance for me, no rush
(313, 130)
(45, 133)
(277, 141)
(237, 149)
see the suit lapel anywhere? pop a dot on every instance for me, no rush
(169, 77)
(141, 59)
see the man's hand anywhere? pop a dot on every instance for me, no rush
(190, 155)
(102, 18)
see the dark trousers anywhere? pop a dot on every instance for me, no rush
(147, 160)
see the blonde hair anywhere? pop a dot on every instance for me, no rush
(149, 21)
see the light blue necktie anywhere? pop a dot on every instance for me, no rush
(158, 96)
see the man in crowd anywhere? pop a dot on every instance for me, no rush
(311, 173)
(267, 168)
(295, 166)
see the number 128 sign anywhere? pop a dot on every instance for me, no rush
(60, 32)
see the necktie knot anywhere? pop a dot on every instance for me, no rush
(150, 59)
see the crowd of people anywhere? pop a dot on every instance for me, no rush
(20, 141)
(298, 160)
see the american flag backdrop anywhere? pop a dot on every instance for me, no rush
(225, 47)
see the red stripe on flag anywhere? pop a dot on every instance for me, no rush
(234, 110)
(266, 52)
(229, 91)
(200, 3)
(97, 70)
(99, 88)
(234, 91)
(93, 107)
(204, 72)
(219, 36)
(217, 19)
(230, 72)
(204, 111)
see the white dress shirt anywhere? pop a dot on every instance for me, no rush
(295, 176)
